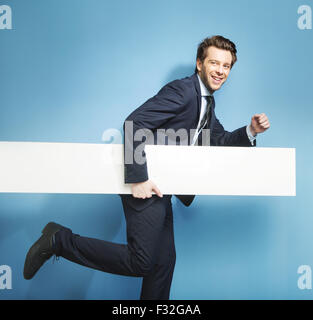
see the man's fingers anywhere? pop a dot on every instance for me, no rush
(259, 116)
(261, 119)
(157, 191)
(148, 194)
(260, 122)
(140, 195)
(144, 190)
(264, 123)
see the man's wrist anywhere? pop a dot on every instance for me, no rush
(251, 131)
(251, 137)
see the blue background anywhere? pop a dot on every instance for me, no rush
(71, 69)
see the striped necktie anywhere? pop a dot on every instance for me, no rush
(205, 122)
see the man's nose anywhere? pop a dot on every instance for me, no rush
(220, 69)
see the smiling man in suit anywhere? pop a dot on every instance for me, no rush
(150, 250)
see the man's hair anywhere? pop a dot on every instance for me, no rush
(218, 42)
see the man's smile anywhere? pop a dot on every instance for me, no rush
(216, 79)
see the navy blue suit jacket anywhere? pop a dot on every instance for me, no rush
(177, 105)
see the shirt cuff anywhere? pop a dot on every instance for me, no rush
(250, 135)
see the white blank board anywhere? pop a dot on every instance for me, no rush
(36, 167)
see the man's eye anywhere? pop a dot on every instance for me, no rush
(227, 67)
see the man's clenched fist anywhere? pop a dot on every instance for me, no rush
(259, 123)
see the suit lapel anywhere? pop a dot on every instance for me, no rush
(198, 91)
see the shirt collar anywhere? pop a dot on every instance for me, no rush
(203, 88)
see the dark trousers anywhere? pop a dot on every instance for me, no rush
(149, 252)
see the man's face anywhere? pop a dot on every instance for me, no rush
(215, 68)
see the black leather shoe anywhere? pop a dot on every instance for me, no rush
(41, 250)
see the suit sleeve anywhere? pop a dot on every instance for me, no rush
(154, 113)
(236, 138)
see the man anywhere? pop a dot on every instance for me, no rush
(150, 250)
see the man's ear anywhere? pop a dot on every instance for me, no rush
(199, 65)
